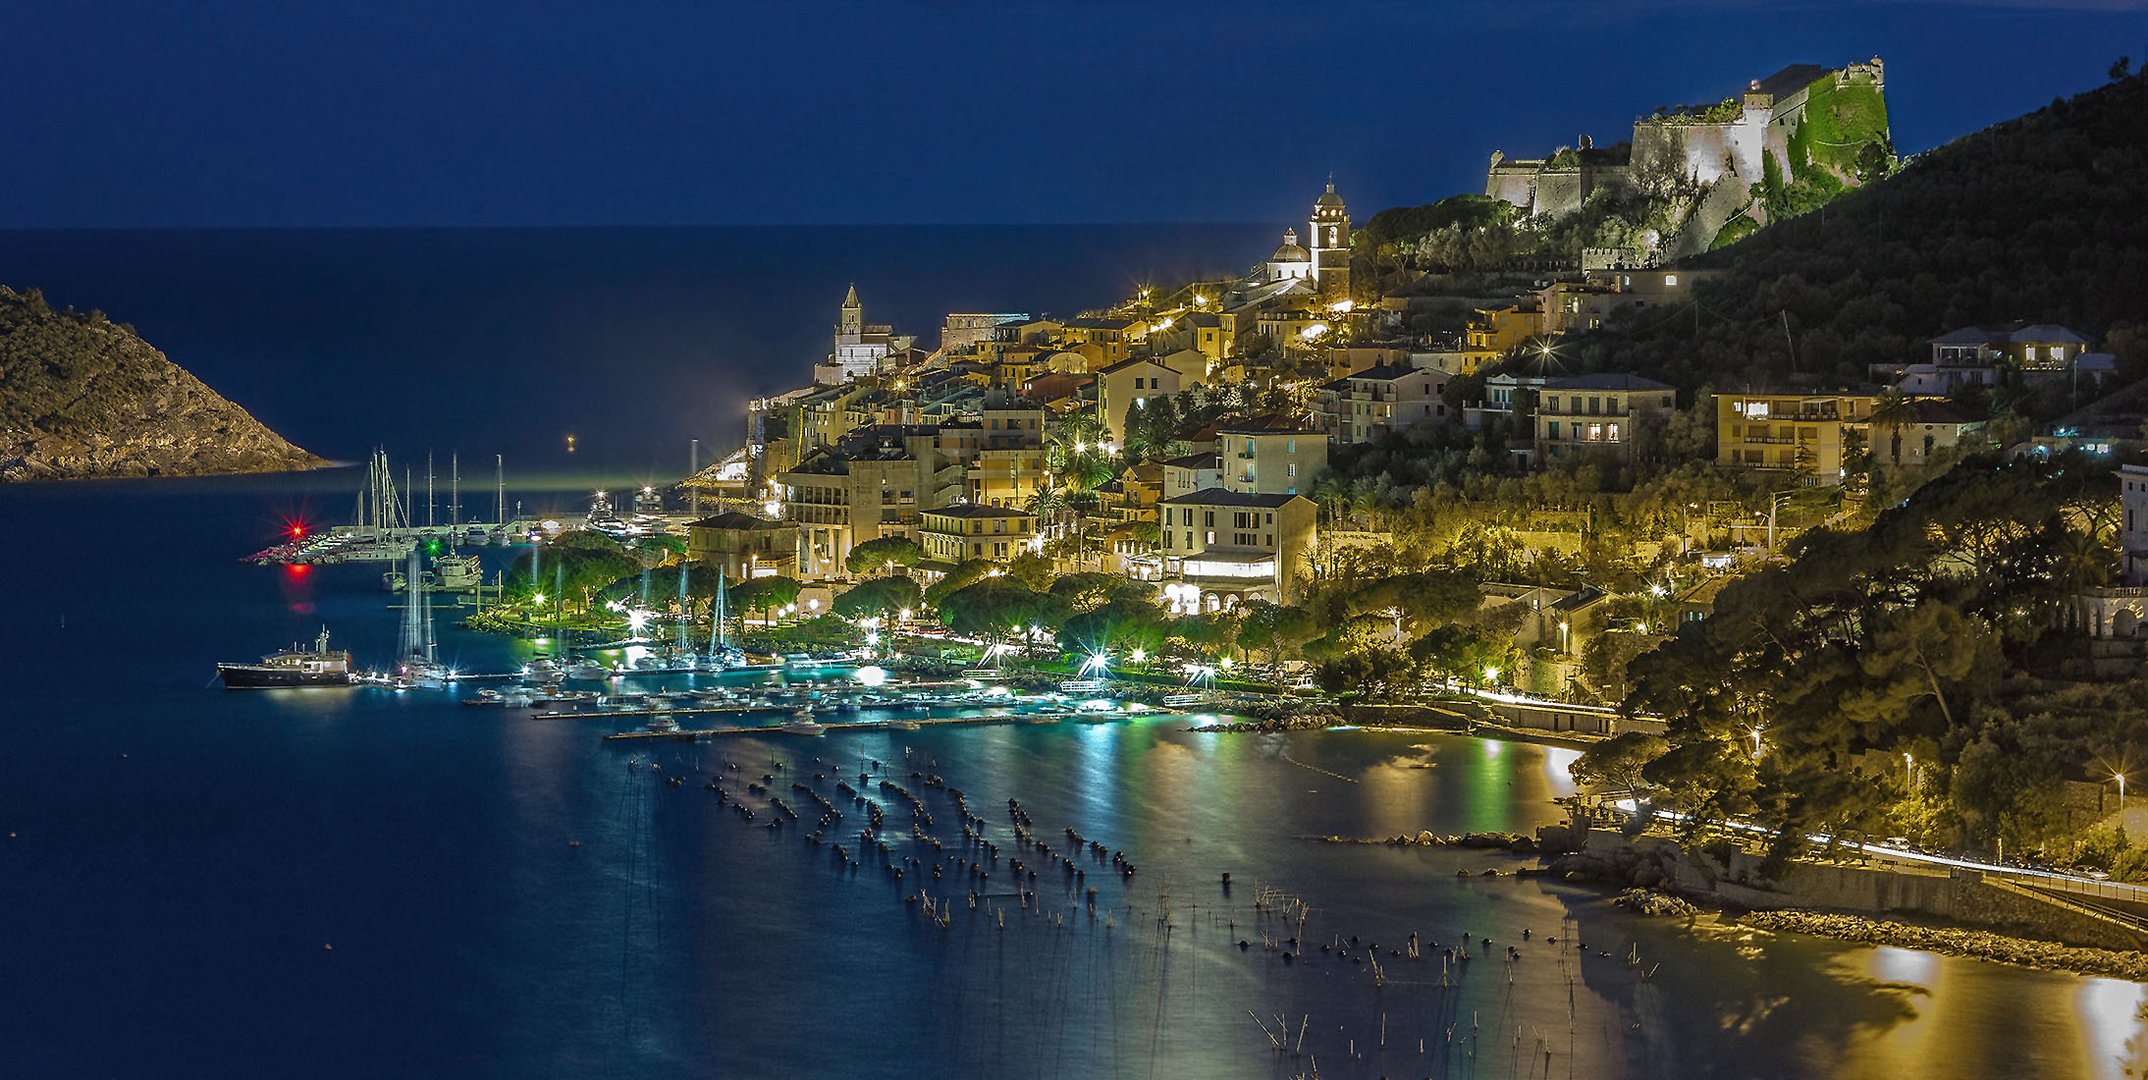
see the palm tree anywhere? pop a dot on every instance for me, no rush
(1891, 410)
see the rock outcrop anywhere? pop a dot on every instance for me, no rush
(82, 396)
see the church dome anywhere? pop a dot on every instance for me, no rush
(1290, 251)
(1328, 199)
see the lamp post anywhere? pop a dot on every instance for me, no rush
(2121, 778)
(1909, 769)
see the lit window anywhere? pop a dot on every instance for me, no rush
(1670, 281)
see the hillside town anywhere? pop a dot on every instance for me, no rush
(1515, 460)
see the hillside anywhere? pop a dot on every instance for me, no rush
(2036, 219)
(82, 396)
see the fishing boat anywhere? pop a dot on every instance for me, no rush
(295, 666)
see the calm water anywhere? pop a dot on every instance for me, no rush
(178, 860)
(504, 341)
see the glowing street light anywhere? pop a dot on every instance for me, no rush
(1756, 740)
(1909, 769)
(1140, 655)
(1098, 663)
(1491, 674)
(538, 598)
(2121, 778)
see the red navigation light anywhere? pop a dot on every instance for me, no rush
(298, 530)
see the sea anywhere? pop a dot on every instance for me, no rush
(363, 882)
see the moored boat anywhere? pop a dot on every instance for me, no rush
(318, 666)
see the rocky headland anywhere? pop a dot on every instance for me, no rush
(82, 396)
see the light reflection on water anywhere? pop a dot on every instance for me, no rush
(433, 845)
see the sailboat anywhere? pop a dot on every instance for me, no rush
(417, 660)
(722, 654)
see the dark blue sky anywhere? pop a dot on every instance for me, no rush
(160, 113)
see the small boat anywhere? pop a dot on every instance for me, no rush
(585, 670)
(803, 723)
(904, 725)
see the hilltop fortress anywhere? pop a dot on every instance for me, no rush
(1791, 141)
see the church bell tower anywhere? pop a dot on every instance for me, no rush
(851, 329)
(1329, 232)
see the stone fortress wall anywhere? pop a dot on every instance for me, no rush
(1681, 153)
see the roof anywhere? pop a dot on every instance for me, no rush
(2046, 333)
(2033, 334)
(1970, 335)
(1289, 250)
(1384, 373)
(1194, 461)
(736, 521)
(978, 510)
(1124, 364)
(1941, 411)
(1791, 79)
(1605, 381)
(1101, 324)
(1271, 424)
(1216, 496)
(1328, 197)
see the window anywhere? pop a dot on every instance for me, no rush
(1552, 429)
(1670, 281)
(1290, 469)
(1290, 446)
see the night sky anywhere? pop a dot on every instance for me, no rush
(155, 113)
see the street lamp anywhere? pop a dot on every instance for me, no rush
(1756, 740)
(1909, 769)
(2121, 778)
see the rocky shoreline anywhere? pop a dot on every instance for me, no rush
(1954, 941)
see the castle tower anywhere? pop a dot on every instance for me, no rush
(1330, 246)
(852, 327)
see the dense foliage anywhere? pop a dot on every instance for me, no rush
(2036, 219)
(1891, 678)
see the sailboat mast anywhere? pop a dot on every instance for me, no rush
(718, 637)
(431, 511)
(686, 616)
(499, 483)
(408, 647)
(455, 490)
